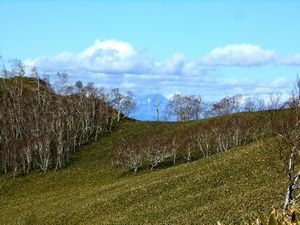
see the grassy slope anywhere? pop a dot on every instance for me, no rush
(89, 191)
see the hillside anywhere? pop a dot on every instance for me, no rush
(29, 84)
(40, 129)
(226, 187)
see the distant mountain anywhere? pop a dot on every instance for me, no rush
(145, 109)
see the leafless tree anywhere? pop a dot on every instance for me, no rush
(156, 104)
(123, 103)
(156, 149)
(129, 155)
(261, 103)
(184, 107)
(41, 126)
(128, 105)
(285, 124)
(227, 105)
(203, 140)
(249, 105)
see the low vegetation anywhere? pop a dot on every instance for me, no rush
(234, 185)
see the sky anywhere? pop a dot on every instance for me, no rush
(208, 48)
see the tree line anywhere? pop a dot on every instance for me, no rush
(42, 125)
(134, 151)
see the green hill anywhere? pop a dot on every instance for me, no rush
(226, 187)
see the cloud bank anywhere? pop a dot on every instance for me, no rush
(113, 63)
(112, 56)
(292, 60)
(239, 55)
(109, 57)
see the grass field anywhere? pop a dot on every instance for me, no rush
(245, 181)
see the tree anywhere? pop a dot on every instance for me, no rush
(156, 104)
(123, 103)
(184, 107)
(285, 125)
(204, 139)
(129, 155)
(226, 105)
(40, 126)
(128, 105)
(156, 149)
(249, 105)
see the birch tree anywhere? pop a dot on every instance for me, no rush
(286, 128)
(184, 107)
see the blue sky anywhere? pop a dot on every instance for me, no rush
(212, 48)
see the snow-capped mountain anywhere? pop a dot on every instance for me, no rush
(145, 107)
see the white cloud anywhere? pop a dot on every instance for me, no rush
(281, 82)
(173, 65)
(179, 65)
(292, 60)
(109, 56)
(115, 63)
(116, 57)
(239, 55)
